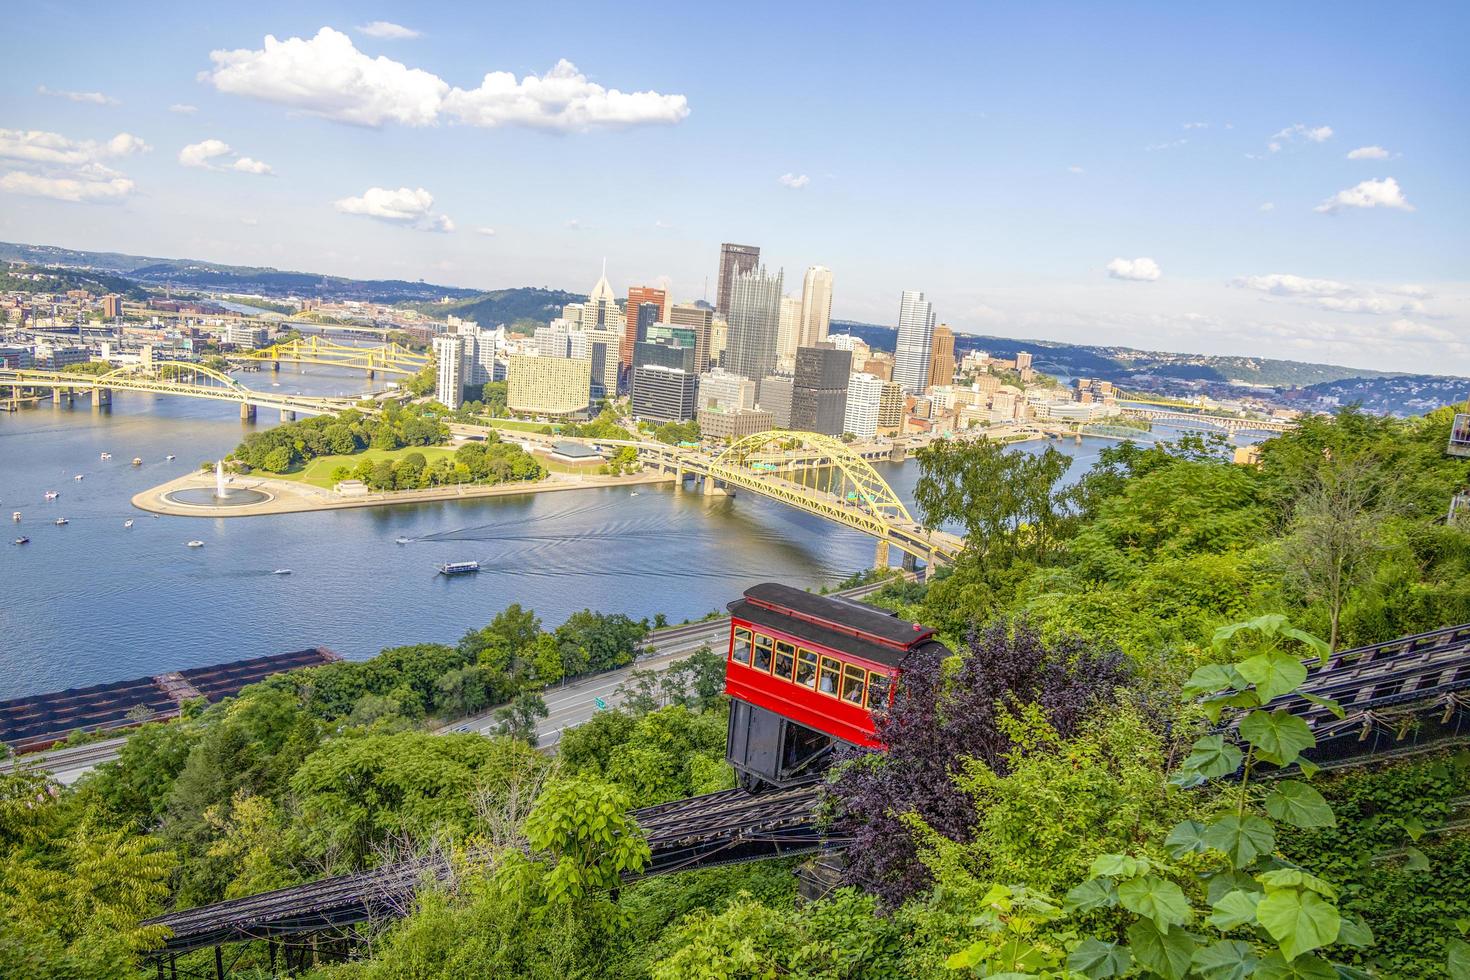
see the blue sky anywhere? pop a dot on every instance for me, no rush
(1001, 157)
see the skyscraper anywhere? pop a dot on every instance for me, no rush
(864, 395)
(449, 374)
(734, 260)
(915, 338)
(637, 296)
(700, 318)
(941, 356)
(788, 335)
(664, 383)
(816, 306)
(819, 390)
(755, 319)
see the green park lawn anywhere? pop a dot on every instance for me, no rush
(318, 472)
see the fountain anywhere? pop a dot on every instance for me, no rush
(221, 495)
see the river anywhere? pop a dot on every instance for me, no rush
(93, 601)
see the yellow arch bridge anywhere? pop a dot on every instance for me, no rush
(390, 358)
(817, 474)
(173, 378)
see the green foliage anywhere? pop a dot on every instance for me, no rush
(674, 433)
(393, 427)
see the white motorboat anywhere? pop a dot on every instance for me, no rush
(15, 516)
(77, 477)
(52, 494)
(61, 522)
(282, 571)
(128, 522)
(137, 461)
(170, 456)
(106, 456)
(196, 544)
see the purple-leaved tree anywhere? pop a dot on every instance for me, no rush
(940, 717)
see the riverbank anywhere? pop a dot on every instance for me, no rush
(295, 497)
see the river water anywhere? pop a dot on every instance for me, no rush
(92, 601)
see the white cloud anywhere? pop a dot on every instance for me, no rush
(1074, 169)
(405, 206)
(210, 155)
(1269, 206)
(1196, 125)
(485, 230)
(563, 99)
(327, 76)
(183, 109)
(1167, 145)
(76, 189)
(1338, 297)
(794, 181)
(388, 30)
(1312, 134)
(1368, 153)
(252, 222)
(1383, 193)
(575, 224)
(39, 146)
(1412, 330)
(1136, 270)
(95, 98)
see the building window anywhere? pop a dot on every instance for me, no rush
(877, 690)
(831, 671)
(785, 660)
(740, 648)
(806, 668)
(853, 681)
(762, 653)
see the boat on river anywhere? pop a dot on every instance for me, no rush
(196, 544)
(61, 522)
(22, 540)
(170, 456)
(128, 522)
(77, 477)
(282, 571)
(106, 456)
(52, 494)
(137, 461)
(15, 516)
(459, 568)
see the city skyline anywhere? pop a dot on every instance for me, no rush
(1308, 209)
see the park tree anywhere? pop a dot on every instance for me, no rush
(518, 718)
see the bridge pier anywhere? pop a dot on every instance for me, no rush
(275, 366)
(678, 479)
(100, 397)
(247, 412)
(880, 558)
(287, 415)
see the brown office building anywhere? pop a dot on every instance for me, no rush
(941, 356)
(701, 318)
(734, 260)
(637, 296)
(111, 306)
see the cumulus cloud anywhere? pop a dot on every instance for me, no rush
(1196, 125)
(77, 189)
(39, 146)
(1135, 270)
(1166, 145)
(563, 98)
(408, 207)
(794, 181)
(1368, 153)
(215, 154)
(1384, 193)
(327, 76)
(94, 98)
(1269, 206)
(1338, 297)
(388, 30)
(183, 109)
(1312, 134)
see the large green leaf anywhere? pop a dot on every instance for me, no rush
(1096, 959)
(1166, 953)
(1095, 893)
(1269, 624)
(1354, 932)
(1211, 678)
(1213, 757)
(1415, 859)
(1299, 921)
(1243, 839)
(1278, 736)
(1223, 882)
(1228, 959)
(1337, 710)
(1118, 866)
(1300, 805)
(1457, 959)
(1273, 674)
(1234, 909)
(1278, 967)
(1155, 898)
(1296, 878)
(1186, 838)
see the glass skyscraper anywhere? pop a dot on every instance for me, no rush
(915, 341)
(754, 322)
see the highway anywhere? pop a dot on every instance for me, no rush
(568, 705)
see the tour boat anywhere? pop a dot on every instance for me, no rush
(196, 544)
(60, 521)
(459, 567)
(137, 461)
(107, 455)
(282, 571)
(128, 522)
(52, 494)
(22, 540)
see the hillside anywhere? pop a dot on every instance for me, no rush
(505, 306)
(35, 279)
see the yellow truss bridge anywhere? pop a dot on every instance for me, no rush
(817, 474)
(390, 358)
(173, 378)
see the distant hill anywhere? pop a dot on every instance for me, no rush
(59, 280)
(264, 281)
(507, 306)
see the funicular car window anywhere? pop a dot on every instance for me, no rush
(806, 668)
(831, 671)
(762, 653)
(854, 679)
(785, 660)
(877, 690)
(740, 651)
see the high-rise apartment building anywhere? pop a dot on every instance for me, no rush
(553, 339)
(111, 306)
(600, 349)
(735, 260)
(1023, 360)
(915, 338)
(664, 384)
(788, 333)
(941, 356)
(755, 321)
(819, 390)
(449, 370)
(816, 306)
(548, 385)
(890, 408)
(701, 318)
(864, 396)
(637, 296)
